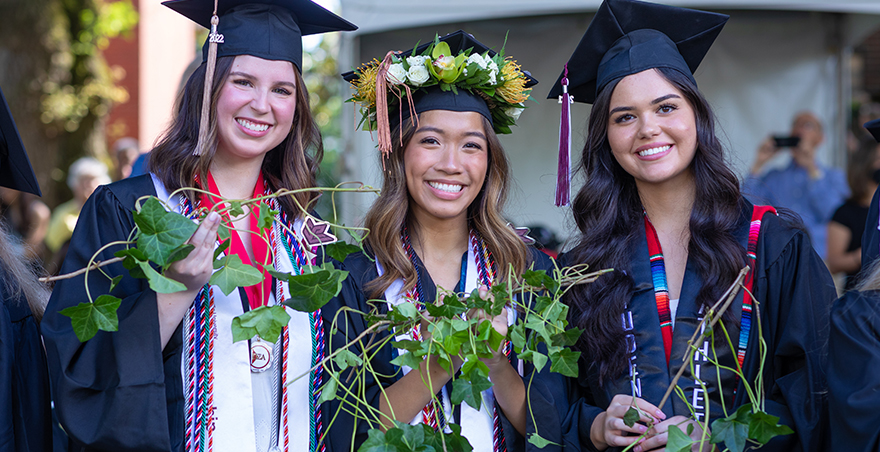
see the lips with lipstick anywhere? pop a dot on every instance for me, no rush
(252, 125)
(449, 188)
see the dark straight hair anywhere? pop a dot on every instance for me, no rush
(608, 211)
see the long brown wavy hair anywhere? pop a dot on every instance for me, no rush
(292, 164)
(390, 212)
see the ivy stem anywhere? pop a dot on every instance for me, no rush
(94, 266)
(727, 298)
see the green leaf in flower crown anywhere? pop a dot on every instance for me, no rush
(539, 442)
(733, 431)
(232, 273)
(763, 427)
(267, 216)
(677, 441)
(567, 338)
(377, 442)
(340, 250)
(87, 318)
(161, 232)
(311, 291)
(265, 321)
(346, 358)
(565, 362)
(158, 282)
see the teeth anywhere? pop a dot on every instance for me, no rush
(445, 187)
(251, 126)
(653, 151)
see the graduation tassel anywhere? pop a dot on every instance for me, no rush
(563, 170)
(213, 39)
(383, 126)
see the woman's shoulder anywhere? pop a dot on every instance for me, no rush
(125, 192)
(853, 307)
(538, 260)
(361, 268)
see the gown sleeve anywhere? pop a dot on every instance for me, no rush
(795, 292)
(853, 366)
(109, 391)
(871, 237)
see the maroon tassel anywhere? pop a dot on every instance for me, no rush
(563, 170)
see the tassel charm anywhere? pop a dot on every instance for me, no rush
(563, 170)
(204, 121)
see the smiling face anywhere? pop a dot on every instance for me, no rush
(445, 164)
(651, 129)
(255, 108)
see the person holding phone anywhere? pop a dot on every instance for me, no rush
(805, 186)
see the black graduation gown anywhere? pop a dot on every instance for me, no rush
(871, 237)
(25, 416)
(794, 289)
(854, 373)
(363, 270)
(119, 391)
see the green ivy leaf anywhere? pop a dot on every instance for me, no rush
(539, 442)
(328, 392)
(518, 336)
(551, 284)
(267, 216)
(179, 253)
(567, 338)
(733, 430)
(450, 307)
(469, 387)
(87, 318)
(160, 231)
(158, 282)
(115, 282)
(130, 258)
(538, 359)
(235, 209)
(565, 362)
(407, 359)
(346, 358)
(265, 321)
(763, 427)
(310, 291)
(631, 416)
(340, 250)
(677, 441)
(377, 442)
(232, 273)
(534, 277)
(223, 232)
(221, 248)
(403, 312)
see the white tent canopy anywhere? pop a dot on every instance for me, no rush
(768, 64)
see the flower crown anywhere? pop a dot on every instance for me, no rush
(497, 79)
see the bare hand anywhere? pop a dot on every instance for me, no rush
(766, 151)
(658, 435)
(195, 270)
(609, 430)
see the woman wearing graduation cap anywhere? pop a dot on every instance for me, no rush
(171, 377)
(854, 353)
(25, 419)
(662, 208)
(437, 224)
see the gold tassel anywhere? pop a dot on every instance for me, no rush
(383, 126)
(204, 124)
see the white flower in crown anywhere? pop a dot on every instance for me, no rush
(418, 60)
(514, 111)
(493, 72)
(477, 58)
(396, 74)
(418, 75)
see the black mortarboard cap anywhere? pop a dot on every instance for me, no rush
(15, 168)
(628, 36)
(874, 128)
(268, 29)
(433, 98)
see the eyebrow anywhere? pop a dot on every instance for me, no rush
(653, 102)
(251, 77)
(442, 132)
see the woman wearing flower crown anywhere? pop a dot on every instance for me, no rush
(662, 208)
(171, 377)
(437, 225)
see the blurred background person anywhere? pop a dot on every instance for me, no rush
(27, 221)
(126, 150)
(805, 186)
(84, 176)
(848, 222)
